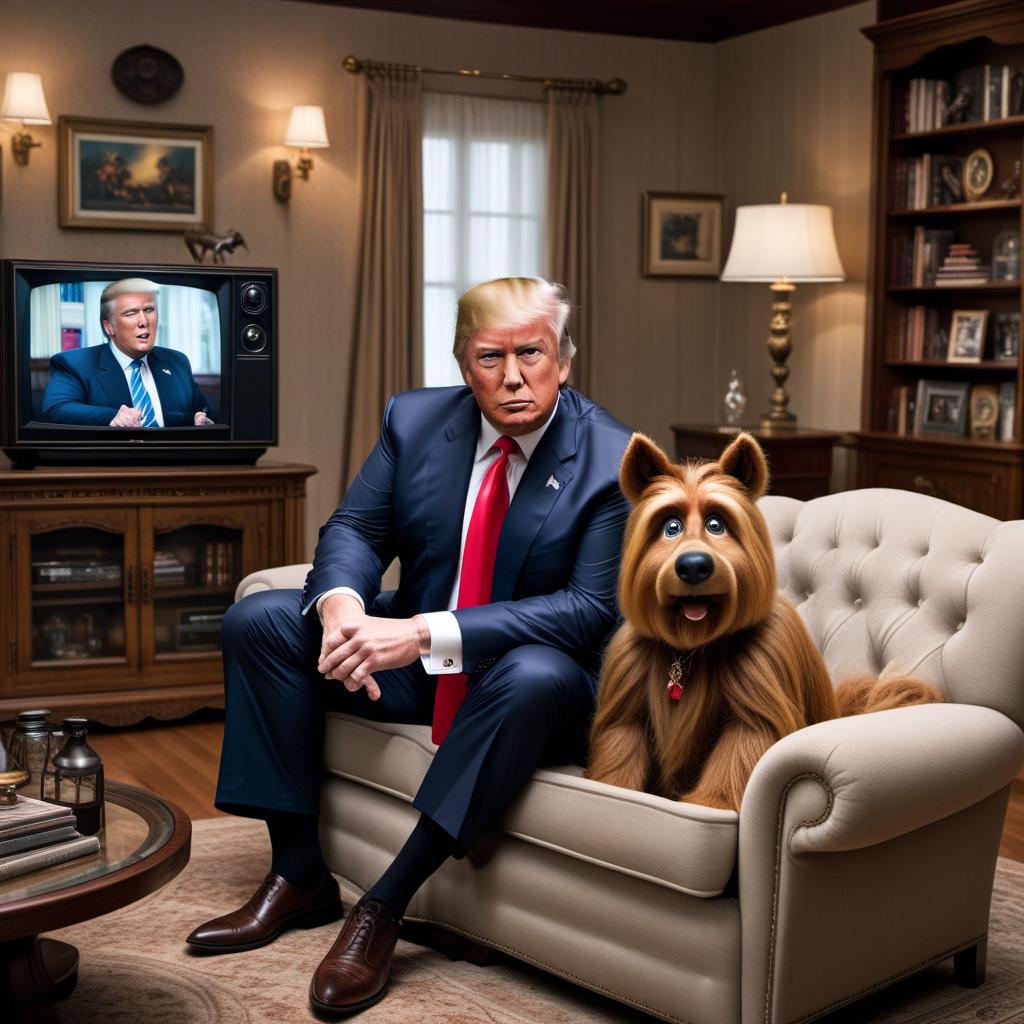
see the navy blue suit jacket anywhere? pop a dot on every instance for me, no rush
(557, 564)
(87, 386)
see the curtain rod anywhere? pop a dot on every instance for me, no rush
(615, 87)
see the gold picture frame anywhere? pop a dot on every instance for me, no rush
(682, 235)
(977, 175)
(134, 175)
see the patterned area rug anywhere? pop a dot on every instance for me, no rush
(135, 968)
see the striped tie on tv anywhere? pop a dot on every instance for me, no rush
(140, 396)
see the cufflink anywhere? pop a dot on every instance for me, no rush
(448, 662)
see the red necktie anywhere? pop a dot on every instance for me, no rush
(477, 572)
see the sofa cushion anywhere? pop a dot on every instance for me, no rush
(680, 846)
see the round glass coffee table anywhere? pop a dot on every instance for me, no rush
(145, 842)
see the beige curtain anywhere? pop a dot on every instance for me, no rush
(572, 215)
(386, 342)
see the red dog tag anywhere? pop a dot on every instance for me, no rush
(675, 674)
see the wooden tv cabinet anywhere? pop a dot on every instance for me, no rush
(115, 579)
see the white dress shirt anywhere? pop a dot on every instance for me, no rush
(147, 379)
(445, 636)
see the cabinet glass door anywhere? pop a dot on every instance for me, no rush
(190, 576)
(80, 572)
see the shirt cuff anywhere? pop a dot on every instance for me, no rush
(445, 644)
(340, 590)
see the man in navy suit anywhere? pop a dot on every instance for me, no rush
(530, 654)
(128, 382)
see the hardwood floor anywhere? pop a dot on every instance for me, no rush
(179, 761)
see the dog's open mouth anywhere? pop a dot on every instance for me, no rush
(696, 608)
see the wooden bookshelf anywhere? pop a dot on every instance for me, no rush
(908, 246)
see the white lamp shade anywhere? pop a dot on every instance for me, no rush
(306, 128)
(783, 240)
(24, 100)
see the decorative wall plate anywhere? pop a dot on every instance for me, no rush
(147, 74)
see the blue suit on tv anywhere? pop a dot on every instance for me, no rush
(532, 655)
(87, 387)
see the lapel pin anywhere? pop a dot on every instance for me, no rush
(552, 482)
(163, 369)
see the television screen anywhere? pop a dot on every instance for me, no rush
(150, 356)
(146, 364)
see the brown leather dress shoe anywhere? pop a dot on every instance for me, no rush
(275, 907)
(354, 974)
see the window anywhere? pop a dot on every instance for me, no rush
(483, 208)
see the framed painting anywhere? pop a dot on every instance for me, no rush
(134, 175)
(682, 235)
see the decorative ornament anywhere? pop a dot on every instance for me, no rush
(675, 675)
(735, 402)
(199, 242)
(147, 74)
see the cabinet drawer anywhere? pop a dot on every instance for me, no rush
(985, 487)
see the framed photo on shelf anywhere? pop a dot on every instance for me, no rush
(1006, 335)
(941, 407)
(978, 171)
(984, 412)
(682, 235)
(134, 175)
(967, 335)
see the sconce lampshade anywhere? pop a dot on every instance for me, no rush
(306, 128)
(24, 100)
(783, 240)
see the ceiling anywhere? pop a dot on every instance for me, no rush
(703, 21)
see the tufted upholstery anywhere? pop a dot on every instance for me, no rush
(894, 583)
(865, 847)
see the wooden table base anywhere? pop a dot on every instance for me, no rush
(34, 974)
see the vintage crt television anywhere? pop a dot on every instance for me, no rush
(223, 320)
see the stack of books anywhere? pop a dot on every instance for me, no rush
(35, 834)
(962, 266)
(168, 569)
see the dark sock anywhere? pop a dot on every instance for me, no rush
(426, 849)
(295, 846)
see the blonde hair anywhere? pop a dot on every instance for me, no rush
(126, 286)
(511, 302)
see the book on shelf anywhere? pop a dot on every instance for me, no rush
(925, 105)
(915, 257)
(22, 863)
(996, 100)
(913, 334)
(902, 402)
(961, 266)
(218, 564)
(168, 569)
(1007, 409)
(920, 182)
(76, 571)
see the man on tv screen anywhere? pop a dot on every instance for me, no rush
(129, 382)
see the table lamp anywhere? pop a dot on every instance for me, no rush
(783, 244)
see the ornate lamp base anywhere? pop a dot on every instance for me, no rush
(779, 347)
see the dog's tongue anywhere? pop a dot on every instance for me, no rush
(695, 610)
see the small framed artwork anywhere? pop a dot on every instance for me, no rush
(1006, 335)
(967, 335)
(978, 171)
(682, 235)
(941, 407)
(133, 175)
(984, 412)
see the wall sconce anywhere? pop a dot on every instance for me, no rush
(306, 130)
(24, 101)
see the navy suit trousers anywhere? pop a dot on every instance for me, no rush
(532, 706)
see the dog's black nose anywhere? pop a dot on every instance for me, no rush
(694, 566)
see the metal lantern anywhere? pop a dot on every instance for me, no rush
(77, 774)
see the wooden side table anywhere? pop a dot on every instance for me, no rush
(799, 461)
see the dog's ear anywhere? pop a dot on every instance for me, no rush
(643, 461)
(744, 460)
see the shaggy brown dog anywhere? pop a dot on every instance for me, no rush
(712, 665)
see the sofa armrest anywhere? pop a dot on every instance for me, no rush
(865, 779)
(281, 577)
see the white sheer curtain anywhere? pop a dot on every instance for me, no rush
(188, 322)
(483, 208)
(44, 317)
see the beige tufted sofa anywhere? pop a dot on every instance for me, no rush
(865, 848)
